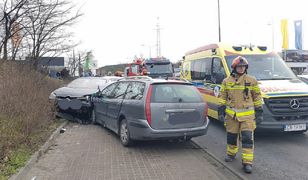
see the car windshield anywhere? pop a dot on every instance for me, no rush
(266, 67)
(175, 93)
(159, 68)
(84, 83)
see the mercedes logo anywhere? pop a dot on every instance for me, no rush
(294, 104)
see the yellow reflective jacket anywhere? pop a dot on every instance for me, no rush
(240, 96)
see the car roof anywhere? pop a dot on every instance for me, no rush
(104, 77)
(156, 80)
(111, 77)
(89, 77)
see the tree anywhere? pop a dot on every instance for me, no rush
(76, 61)
(45, 26)
(12, 13)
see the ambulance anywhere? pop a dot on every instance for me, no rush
(285, 97)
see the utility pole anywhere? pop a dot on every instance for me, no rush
(158, 46)
(79, 66)
(219, 35)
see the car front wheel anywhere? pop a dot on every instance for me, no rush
(93, 116)
(124, 134)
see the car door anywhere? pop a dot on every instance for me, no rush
(101, 102)
(114, 104)
(133, 104)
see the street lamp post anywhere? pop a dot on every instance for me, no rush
(273, 35)
(150, 49)
(219, 35)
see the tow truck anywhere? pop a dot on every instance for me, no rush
(152, 67)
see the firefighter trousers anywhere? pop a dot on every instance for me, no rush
(240, 131)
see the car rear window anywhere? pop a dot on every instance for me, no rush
(174, 93)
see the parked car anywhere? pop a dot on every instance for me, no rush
(142, 108)
(73, 100)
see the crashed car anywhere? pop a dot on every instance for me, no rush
(72, 102)
(304, 78)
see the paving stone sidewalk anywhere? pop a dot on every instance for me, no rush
(90, 152)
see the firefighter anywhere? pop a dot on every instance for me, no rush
(242, 103)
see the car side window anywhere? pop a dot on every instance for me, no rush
(107, 92)
(201, 69)
(135, 90)
(218, 71)
(120, 90)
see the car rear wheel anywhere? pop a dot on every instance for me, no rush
(124, 134)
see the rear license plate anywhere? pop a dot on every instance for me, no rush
(295, 127)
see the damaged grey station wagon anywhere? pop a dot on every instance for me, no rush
(142, 108)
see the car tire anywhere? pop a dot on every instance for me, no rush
(182, 139)
(187, 139)
(124, 134)
(93, 116)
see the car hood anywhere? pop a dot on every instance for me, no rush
(73, 92)
(283, 88)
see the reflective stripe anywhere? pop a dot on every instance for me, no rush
(240, 112)
(256, 89)
(253, 88)
(258, 103)
(237, 87)
(230, 83)
(222, 88)
(231, 151)
(247, 157)
(222, 102)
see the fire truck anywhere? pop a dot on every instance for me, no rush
(153, 67)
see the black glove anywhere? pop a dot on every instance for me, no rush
(221, 113)
(259, 115)
(222, 109)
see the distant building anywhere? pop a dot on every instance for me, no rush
(103, 71)
(53, 65)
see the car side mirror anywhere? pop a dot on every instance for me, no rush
(99, 94)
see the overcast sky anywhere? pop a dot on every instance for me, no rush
(116, 30)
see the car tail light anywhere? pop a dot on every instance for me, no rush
(206, 111)
(148, 105)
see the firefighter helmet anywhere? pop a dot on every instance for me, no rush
(239, 61)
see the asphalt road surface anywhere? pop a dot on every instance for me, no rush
(277, 156)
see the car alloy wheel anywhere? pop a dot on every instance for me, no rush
(124, 134)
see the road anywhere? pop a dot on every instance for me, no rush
(277, 156)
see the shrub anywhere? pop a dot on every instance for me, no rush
(25, 110)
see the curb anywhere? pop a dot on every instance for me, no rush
(22, 172)
(230, 169)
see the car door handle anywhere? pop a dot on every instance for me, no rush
(179, 110)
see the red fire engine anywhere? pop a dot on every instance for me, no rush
(153, 67)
